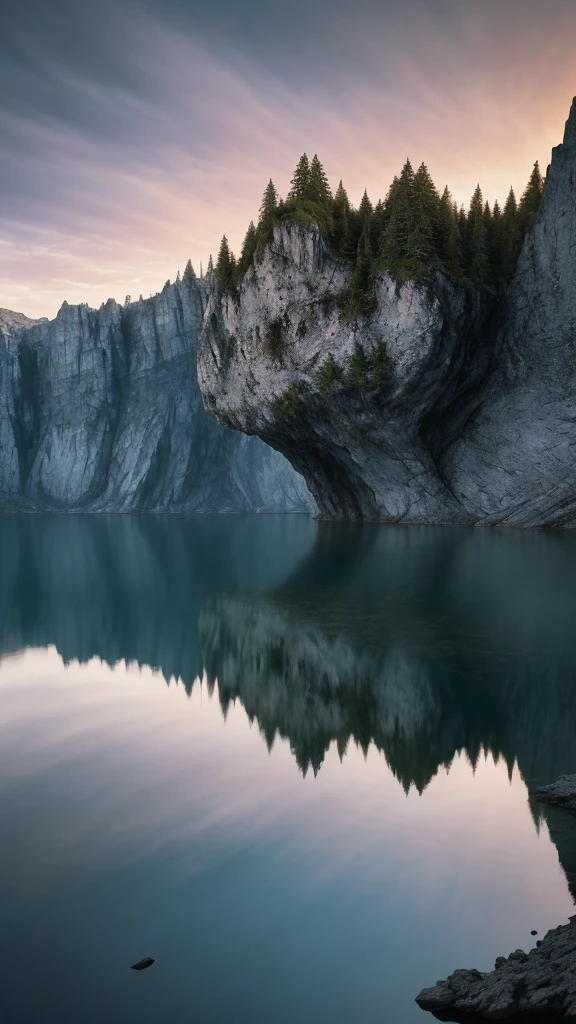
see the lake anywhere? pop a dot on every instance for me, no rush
(287, 759)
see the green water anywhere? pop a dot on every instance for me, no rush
(289, 760)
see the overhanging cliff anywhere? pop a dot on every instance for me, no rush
(447, 404)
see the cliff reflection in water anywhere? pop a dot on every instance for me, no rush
(423, 641)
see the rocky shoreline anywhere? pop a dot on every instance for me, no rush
(539, 985)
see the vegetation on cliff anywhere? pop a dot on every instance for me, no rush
(415, 232)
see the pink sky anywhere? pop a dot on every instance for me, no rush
(112, 175)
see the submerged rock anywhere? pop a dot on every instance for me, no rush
(539, 985)
(446, 405)
(101, 411)
(562, 792)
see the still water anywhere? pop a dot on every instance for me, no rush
(287, 759)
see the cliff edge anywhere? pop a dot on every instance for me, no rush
(448, 404)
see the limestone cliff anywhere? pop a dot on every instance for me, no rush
(446, 405)
(100, 410)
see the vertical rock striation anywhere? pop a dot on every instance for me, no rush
(101, 411)
(446, 405)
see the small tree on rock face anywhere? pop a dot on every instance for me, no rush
(301, 181)
(210, 267)
(225, 267)
(188, 274)
(318, 188)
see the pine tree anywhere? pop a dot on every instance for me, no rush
(362, 285)
(365, 210)
(318, 190)
(249, 247)
(210, 267)
(510, 240)
(341, 218)
(269, 202)
(494, 243)
(530, 201)
(395, 244)
(188, 274)
(422, 238)
(449, 243)
(178, 278)
(379, 222)
(477, 266)
(225, 267)
(301, 180)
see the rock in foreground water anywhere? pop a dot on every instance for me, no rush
(539, 985)
(562, 792)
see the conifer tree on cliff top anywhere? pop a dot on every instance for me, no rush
(476, 248)
(510, 239)
(301, 180)
(341, 220)
(225, 267)
(318, 187)
(449, 241)
(395, 243)
(425, 206)
(249, 247)
(530, 200)
(188, 274)
(269, 200)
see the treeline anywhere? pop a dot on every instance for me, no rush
(413, 233)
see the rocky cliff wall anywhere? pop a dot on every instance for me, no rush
(101, 411)
(447, 405)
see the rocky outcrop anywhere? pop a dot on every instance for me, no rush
(10, 321)
(539, 985)
(446, 405)
(562, 792)
(101, 411)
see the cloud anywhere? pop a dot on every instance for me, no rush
(133, 135)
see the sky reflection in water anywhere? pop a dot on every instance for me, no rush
(137, 821)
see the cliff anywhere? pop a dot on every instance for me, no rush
(101, 411)
(446, 405)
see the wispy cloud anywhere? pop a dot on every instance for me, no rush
(133, 136)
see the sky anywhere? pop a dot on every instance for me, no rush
(135, 133)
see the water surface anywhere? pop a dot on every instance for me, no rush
(288, 760)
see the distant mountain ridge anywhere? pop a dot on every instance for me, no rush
(9, 320)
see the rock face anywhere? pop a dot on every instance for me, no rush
(101, 412)
(540, 985)
(465, 409)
